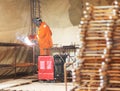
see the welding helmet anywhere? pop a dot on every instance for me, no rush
(37, 21)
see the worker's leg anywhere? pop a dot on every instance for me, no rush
(44, 51)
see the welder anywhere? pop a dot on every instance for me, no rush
(43, 36)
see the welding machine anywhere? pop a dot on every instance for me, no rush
(45, 68)
(51, 67)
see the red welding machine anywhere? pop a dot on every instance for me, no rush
(45, 68)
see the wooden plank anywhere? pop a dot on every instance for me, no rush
(98, 81)
(95, 38)
(99, 25)
(116, 37)
(97, 42)
(101, 21)
(103, 11)
(114, 75)
(100, 51)
(97, 67)
(97, 51)
(104, 7)
(93, 58)
(113, 64)
(104, 14)
(95, 71)
(95, 48)
(114, 71)
(105, 17)
(111, 55)
(97, 28)
(24, 64)
(113, 89)
(95, 45)
(95, 31)
(16, 82)
(102, 28)
(90, 71)
(97, 74)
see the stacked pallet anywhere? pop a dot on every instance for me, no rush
(99, 56)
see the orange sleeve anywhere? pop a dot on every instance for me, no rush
(41, 31)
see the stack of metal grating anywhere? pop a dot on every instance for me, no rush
(99, 55)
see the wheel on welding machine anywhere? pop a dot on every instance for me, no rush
(46, 81)
(51, 81)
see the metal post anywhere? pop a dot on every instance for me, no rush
(33, 47)
(65, 77)
(65, 74)
(15, 63)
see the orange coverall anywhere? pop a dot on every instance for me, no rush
(44, 39)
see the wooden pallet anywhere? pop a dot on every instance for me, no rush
(100, 35)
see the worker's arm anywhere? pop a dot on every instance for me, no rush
(42, 30)
(32, 37)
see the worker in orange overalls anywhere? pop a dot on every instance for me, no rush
(43, 36)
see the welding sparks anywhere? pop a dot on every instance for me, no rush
(25, 40)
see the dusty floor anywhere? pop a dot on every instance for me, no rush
(31, 83)
(37, 86)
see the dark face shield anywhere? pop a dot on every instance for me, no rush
(37, 21)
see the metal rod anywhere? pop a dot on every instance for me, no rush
(65, 74)
(65, 77)
(33, 58)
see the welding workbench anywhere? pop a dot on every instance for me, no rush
(15, 64)
(65, 49)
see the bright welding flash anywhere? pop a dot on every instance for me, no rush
(27, 41)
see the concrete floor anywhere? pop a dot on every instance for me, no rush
(31, 83)
(37, 86)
